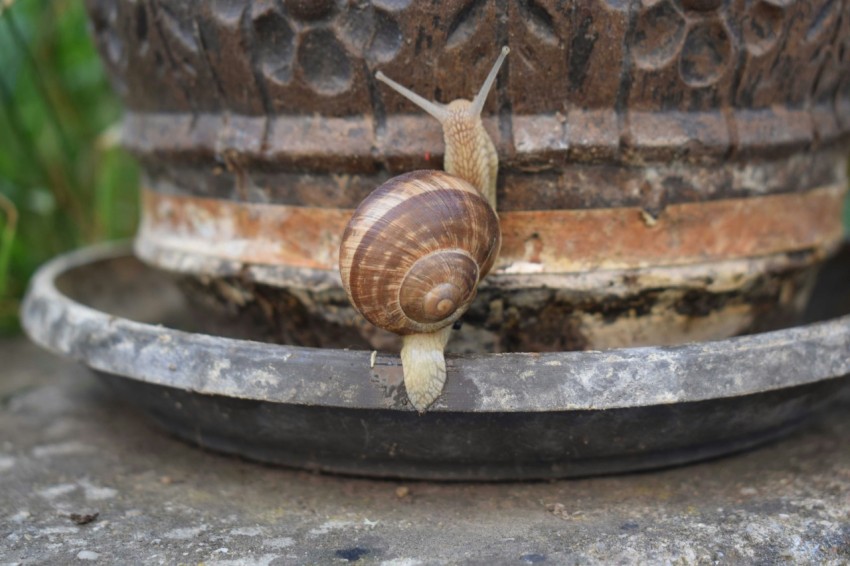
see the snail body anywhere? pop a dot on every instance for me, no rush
(416, 248)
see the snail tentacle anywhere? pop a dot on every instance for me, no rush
(435, 109)
(478, 103)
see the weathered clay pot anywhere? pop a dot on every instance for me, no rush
(671, 170)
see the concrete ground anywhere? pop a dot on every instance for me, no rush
(85, 479)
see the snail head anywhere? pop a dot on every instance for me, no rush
(460, 110)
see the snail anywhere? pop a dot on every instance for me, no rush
(415, 249)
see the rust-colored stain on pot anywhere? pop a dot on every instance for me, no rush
(550, 241)
(621, 238)
(274, 235)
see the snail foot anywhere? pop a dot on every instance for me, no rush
(424, 364)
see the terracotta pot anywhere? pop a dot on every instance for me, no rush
(670, 171)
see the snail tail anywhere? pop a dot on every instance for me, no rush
(424, 365)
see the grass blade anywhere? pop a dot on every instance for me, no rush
(40, 83)
(7, 238)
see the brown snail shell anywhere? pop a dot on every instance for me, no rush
(416, 248)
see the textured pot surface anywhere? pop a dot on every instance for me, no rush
(502, 416)
(682, 149)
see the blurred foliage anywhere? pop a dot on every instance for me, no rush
(62, 184)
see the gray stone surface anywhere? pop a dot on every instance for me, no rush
(68, 452)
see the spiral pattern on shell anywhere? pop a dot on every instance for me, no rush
(415, 249)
